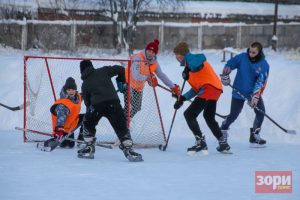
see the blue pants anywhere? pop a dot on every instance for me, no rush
(236, 108)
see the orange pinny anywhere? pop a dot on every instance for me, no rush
(73, 117)
(207, 78)
(139, 85)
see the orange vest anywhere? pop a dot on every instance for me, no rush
(203, 77)
(73, 117)
(144, 70)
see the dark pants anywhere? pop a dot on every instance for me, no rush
(113, 111)
(196, 107)
(236, 108)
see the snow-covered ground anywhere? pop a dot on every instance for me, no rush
(26, 173)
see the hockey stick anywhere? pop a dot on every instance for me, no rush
(261, 111)
(161, 147)
(167, 89)
(71, 139)
(20, 107)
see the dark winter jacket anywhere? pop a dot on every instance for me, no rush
(97, 86)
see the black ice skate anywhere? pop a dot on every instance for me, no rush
(200, 145)
(89, 150)
(223, 145)
(126, 147)
(255, 140)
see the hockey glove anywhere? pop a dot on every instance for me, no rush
(152, 80)
(59, 133)
(225, 79)
(186, 73)
(175, 90)
(121, 86)
(179, 102)
(254, 100)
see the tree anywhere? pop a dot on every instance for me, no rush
(126, 13)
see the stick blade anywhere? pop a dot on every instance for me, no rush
(291, 132)
(162, 147)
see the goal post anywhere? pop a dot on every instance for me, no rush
(45, 76)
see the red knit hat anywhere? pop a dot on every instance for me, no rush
(153, 46)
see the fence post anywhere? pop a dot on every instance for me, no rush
(239, 36)
(73, 35)
(161, 35)
(200, 34)
(24, 34)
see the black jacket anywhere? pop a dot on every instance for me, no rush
(97, 86)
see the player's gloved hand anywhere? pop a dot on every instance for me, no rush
(59, 133)
(225, 79)
(122, 87)
(186, 73)
(254, 100)
(176, 90)
(152, 80)
(179, 102)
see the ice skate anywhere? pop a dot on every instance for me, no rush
(130, 154)
(255, 140)
(89, 150)
(200, 146)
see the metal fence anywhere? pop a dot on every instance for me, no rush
(72, 35)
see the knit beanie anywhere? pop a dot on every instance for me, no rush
(181, 48)
(85, 64)
(70, 84)
(153, 46)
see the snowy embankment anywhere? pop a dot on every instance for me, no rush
(30, 174)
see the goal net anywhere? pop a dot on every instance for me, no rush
(44, 78)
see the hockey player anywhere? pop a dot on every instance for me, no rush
(65, 115)
(145, 67)
(250, 80)
(207, 88)
(101, 100)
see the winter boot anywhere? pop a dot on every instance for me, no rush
(51, 142)
(255, 140)
(200, 145)
(223, 145)
(48, 145)
(89, 150)
(68, 143)
(126, 147)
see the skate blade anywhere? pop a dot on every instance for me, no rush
(192, 153)
(85, 156)
(226, 152)
(135, 159)
(254, 145)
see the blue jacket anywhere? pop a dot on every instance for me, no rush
(250, 77)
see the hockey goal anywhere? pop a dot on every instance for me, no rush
(45, 76)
